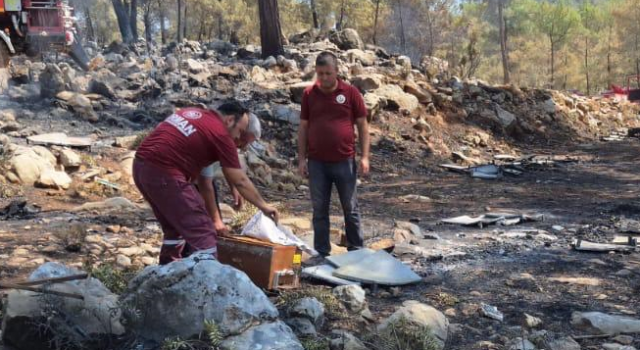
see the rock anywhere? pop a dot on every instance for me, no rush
(604, 323)
(531, 321)
(309, 308)
(51, 178)
(623, 339)
(269, 62)
(171, 63)
(267, 336)
(297, 90)
(420, 315)
(366, 58)
(302, 327)
(352, 296)
(123, 261)
(115, 203)
(28, 165)
(125, 141)
(51, 81)
(147, 260)
(420, 93)
(566, 343)
(373, 103)
(131, 251)
(98, 313)
(248, 51)
(434, 67)
(347, 39)
(199, 288)
(521, 344)
(404, 61)
(80, 104)
(368, 82)
(287, 113)
(70, 159)
(194, 66)
(343, 340)
(101, 88)
(614, 346)
(397, 99)
(505, 118)
(549, 106)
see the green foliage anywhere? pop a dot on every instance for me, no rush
(116, 280)
(333, 307)
(210, 339)
(318, 343)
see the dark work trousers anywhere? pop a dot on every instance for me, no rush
(322, 177)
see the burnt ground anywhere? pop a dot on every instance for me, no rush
(479, 265)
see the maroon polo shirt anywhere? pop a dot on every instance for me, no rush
(331, 117)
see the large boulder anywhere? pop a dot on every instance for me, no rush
(367, 58)
(397, 99)
(32, 320)
(29, 163)
(80, 104)
(54, 179)
(306, 316)
(176, 299)
(352, 296)
(367, 82)
(423, 95)
(347, 39)
(418, 316)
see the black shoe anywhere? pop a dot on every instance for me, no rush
(315, 261)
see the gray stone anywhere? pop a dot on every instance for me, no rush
(566, 343)
(51, 178)
(397, 99)
(434, 67)
(51, 81)
(267, 336)
(172, 63)
(176, 299)
(549, 106)
(420, 315)
(605, 324)
(367, 82)
(352, 296)
(302, 326)
(309, 308)
(70, 159)
(615, 346)
(505, 118)
(422, 94)
(343, 340)
(287, 113)
(521, 344)
(623, 339)
(29, 164)
(194, 66)
(366, 58)
(80, 104)
(123, 261)
(347, 39)
(532, 321)
(269, 62)
(98, 313)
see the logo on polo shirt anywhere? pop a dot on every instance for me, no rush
(193, 115)
(341, 99)
(181, 124)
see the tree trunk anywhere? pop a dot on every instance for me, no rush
(553, 53)
(270, 32)
(375, 23)
(146, 18)
(586, 64)
(163, 26)
(314, 13)
(133, 19)
(339, 24)
(220, 26)
(403, 41)
(185, 18)
(123, 20)
(179, 34)
(430, 48)
(609, 57)
(91, 33)
(506, 78)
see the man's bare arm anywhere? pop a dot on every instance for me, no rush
(363, 135)
(207, 191)
(303, 130)
(239, 179)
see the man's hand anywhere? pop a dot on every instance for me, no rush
(271, 212)
(303, 169)
(238, 201)
(364, 166)
(221, 229)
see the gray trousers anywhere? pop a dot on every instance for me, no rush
(322, 177)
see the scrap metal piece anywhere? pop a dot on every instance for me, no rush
(379, 269)
(325, 273)
(487, 172)
(581, 245)
(350, 257)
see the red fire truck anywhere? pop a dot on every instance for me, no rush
(33, 27)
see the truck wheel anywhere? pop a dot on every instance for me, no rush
(5, 56)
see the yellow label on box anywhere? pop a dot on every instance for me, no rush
(297, 258)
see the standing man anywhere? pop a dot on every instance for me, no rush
(326, 150)
(173, 156)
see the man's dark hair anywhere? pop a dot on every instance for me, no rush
(326, 58)
(234, 108)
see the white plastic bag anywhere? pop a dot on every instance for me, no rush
(263, 228)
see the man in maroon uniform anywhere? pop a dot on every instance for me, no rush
(173, 156)
(330, 109)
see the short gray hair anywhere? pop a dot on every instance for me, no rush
(254, 126)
